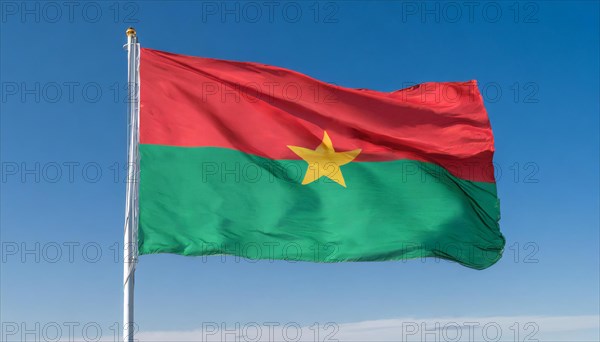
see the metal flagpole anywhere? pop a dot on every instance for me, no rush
(131, 198)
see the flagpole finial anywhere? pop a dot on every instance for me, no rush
(130, 32)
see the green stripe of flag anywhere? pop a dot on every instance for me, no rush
(203, 201)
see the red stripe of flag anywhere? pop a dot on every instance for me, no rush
(260, 109)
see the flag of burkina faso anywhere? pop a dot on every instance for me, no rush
(262, 162)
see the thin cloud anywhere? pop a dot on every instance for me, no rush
(456, 329)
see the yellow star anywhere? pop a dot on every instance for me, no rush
(324, 161)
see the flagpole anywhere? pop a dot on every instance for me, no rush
(131, 197)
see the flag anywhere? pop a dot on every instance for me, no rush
(263, 162)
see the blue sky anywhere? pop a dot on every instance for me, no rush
(63, 143)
